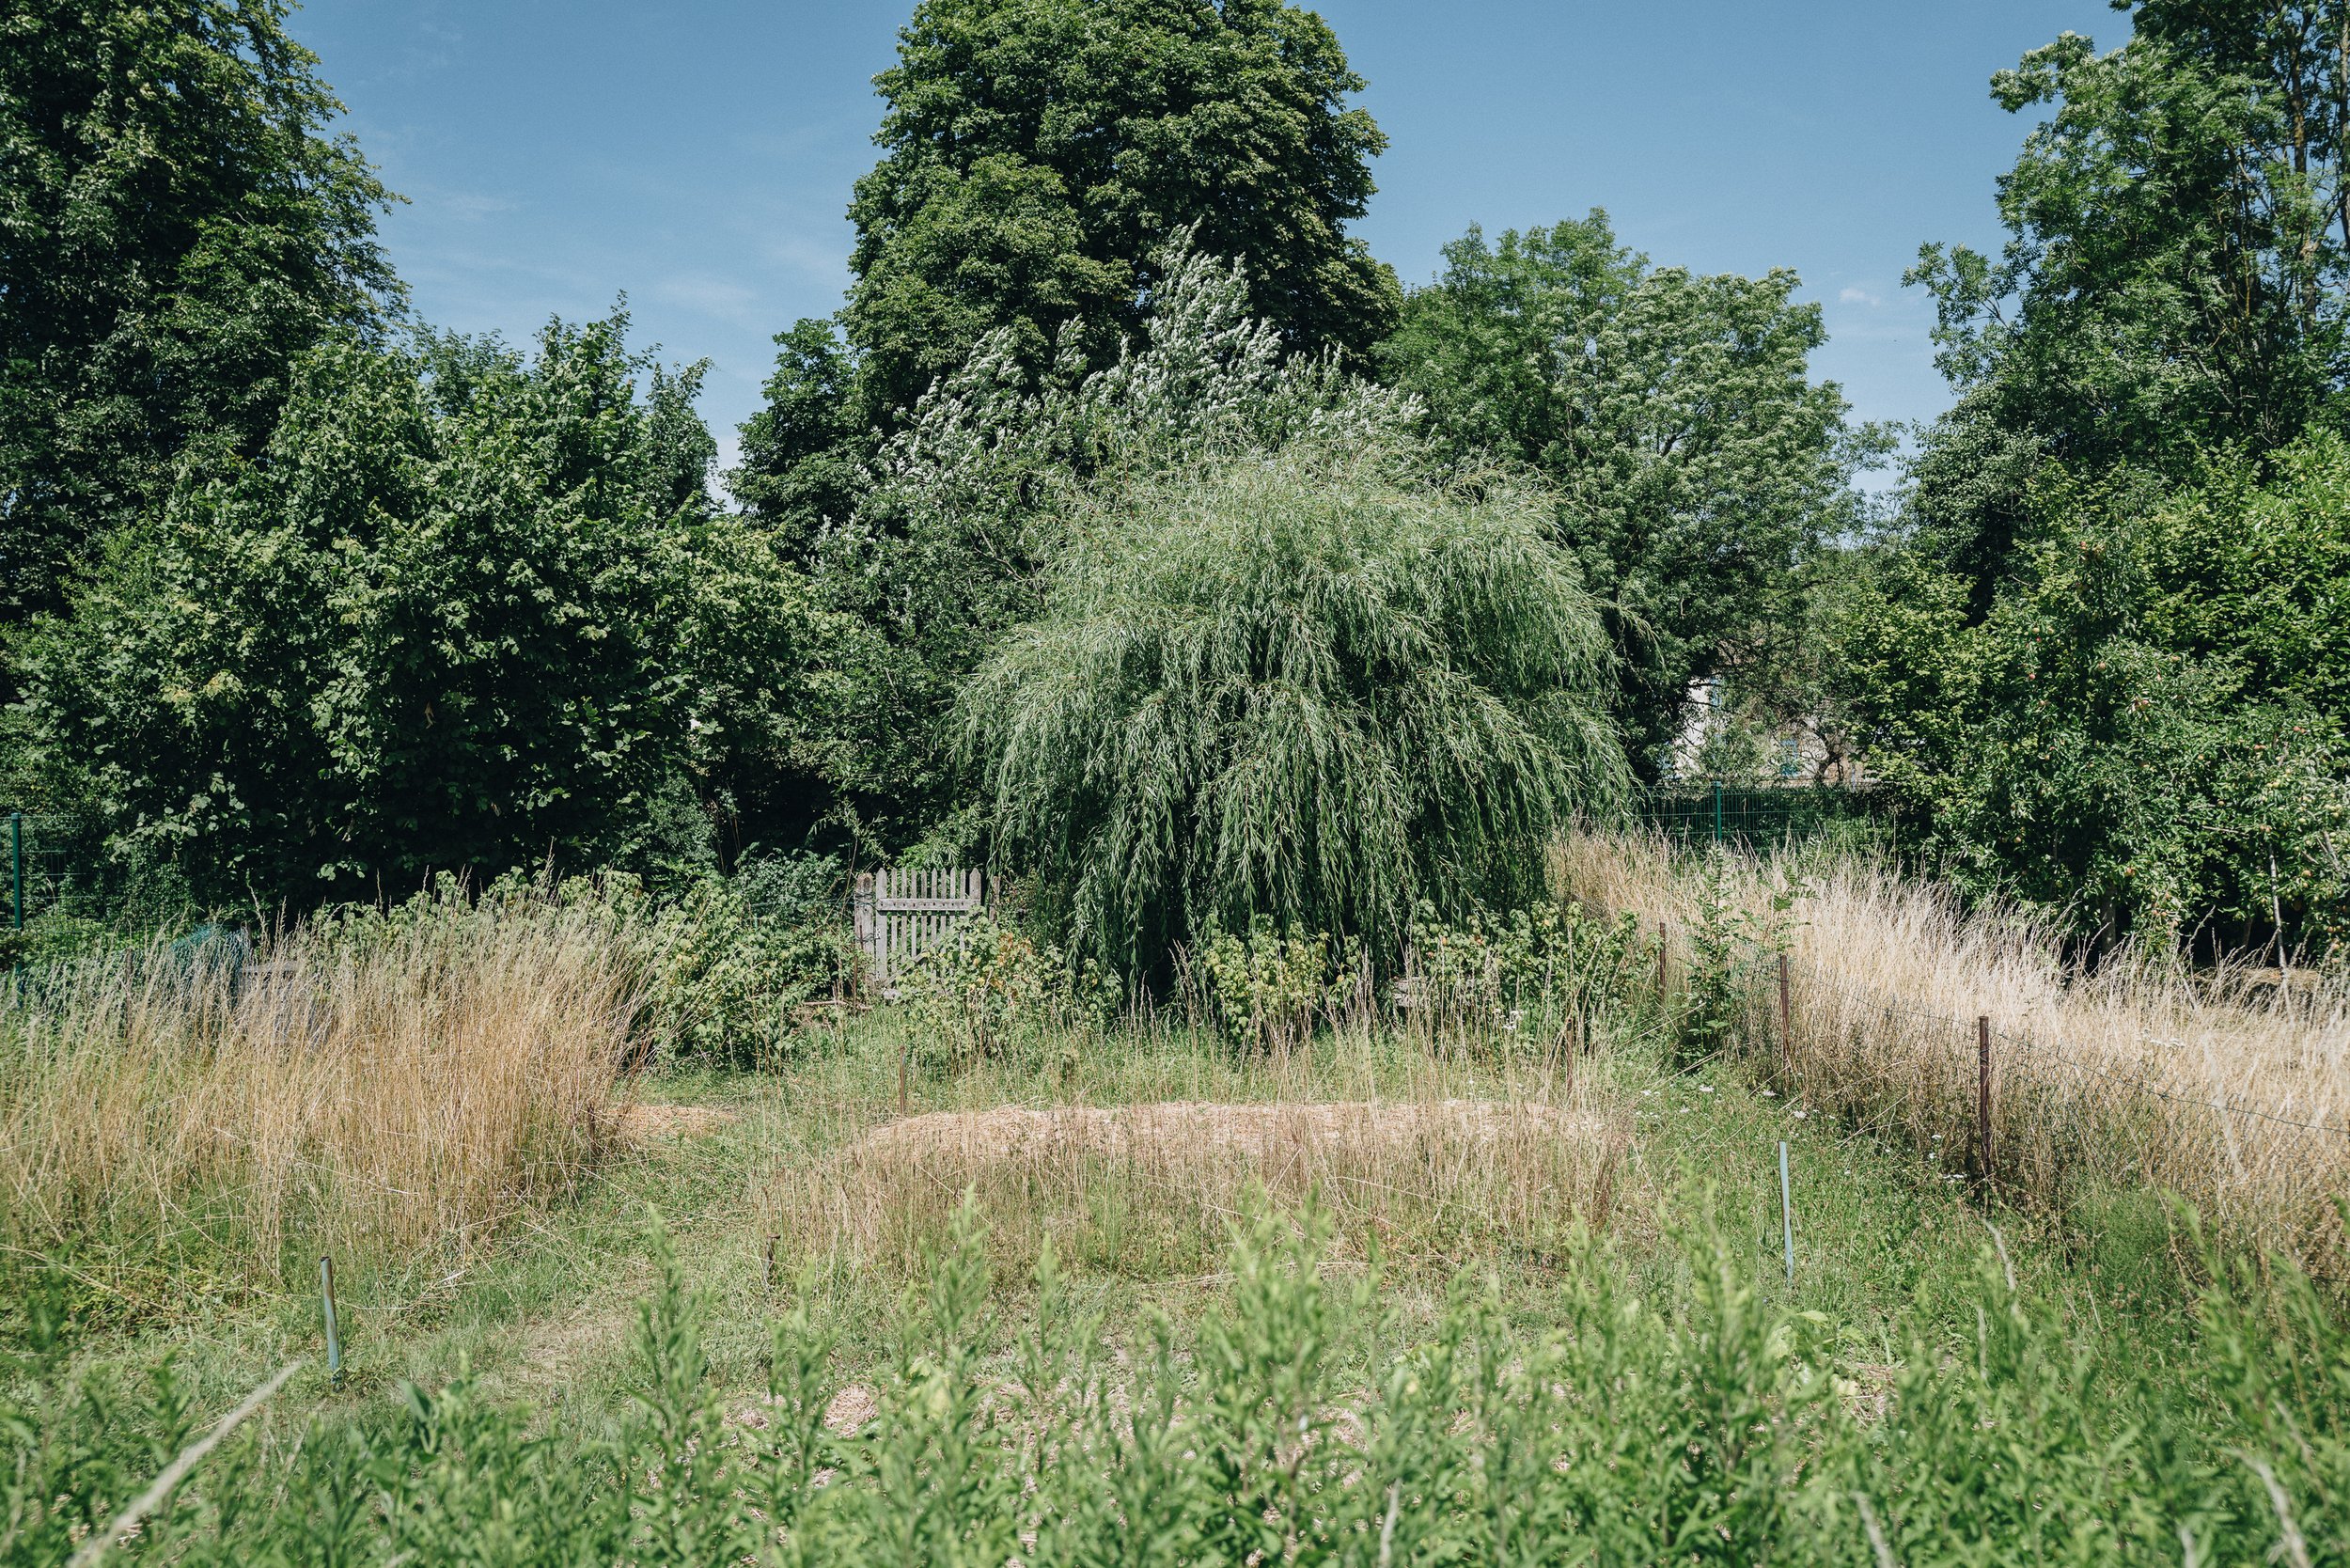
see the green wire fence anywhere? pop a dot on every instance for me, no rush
(43, 868)
(1763, 816)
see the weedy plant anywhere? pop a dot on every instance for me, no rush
(1731, 942)
(1710, 1432)
(733, 962)
(994, 988)
(1268, 990)
(1530, 974)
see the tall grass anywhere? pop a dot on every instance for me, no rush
(1708, 1429)
(372, 1084)
(2146, 1074)
(1132, 1150)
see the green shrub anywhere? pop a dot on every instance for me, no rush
(994, 988)
(1268, 990)
(736, 961)
(1730, 948)
(1540, 967)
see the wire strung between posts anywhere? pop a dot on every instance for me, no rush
(1879, 1002)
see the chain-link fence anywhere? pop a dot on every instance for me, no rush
(1762, 817)
(43, 869)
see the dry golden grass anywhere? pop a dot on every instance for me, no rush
(1149, 1189)
(2235, 1096)
(396, 1086)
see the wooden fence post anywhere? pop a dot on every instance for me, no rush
(1982, 1096)
(1786, 1027)
(862, 915)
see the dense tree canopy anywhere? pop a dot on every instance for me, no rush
(969, 506)
(463, 611)
(1311, 685)
(175, 227)
(2175, 275)
(1037, 156)
(2100, 667)
(1693, 457)
(2151, 729)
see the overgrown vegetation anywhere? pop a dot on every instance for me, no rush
(1338, 1139)
(1712, 1430)
(1304, 687)
(388, 1085)
(2144, 1076)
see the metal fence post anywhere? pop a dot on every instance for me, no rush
(1787, 1211)
(1982, 1096)
(334, 1335)
(16, 864)
(1717, 812)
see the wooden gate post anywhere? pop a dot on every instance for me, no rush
(862, 915)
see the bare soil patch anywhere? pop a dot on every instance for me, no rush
(1152, 1190)
(1195, 1129)
(640, 1123)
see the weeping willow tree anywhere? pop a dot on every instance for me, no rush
(1312, 685)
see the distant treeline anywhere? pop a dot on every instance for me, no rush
(1132, 527)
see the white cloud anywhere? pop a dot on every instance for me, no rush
(1854, 295)
(711, 296)
(470, 206)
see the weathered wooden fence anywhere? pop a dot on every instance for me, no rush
(903, 913)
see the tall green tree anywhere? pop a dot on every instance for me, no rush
(1693, 458)
(176, 226)
(1310, 684)
(465, 611)
(2149, 729)
(1037, 155)
(2175, 276)
(971, 505)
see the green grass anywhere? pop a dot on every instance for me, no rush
(2086, 1417)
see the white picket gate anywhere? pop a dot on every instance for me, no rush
(903, 913)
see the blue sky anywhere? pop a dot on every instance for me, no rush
(698, 154)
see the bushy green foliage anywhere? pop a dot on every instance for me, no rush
(176, 227)
(2147, 727)
(995, 987)
(1528, 971)
(1693, 458)
(1268, 990)
(1037, 153)
(1312, 686)
(734, 962)
(469, 612)
(1716, 1432)
(957, 537)
(1730, 945)
(2174, 278)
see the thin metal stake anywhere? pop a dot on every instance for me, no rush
(16, 862)
(1982, 1096)
(904, 1057)
(334, 1340)
(1787, 1211)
